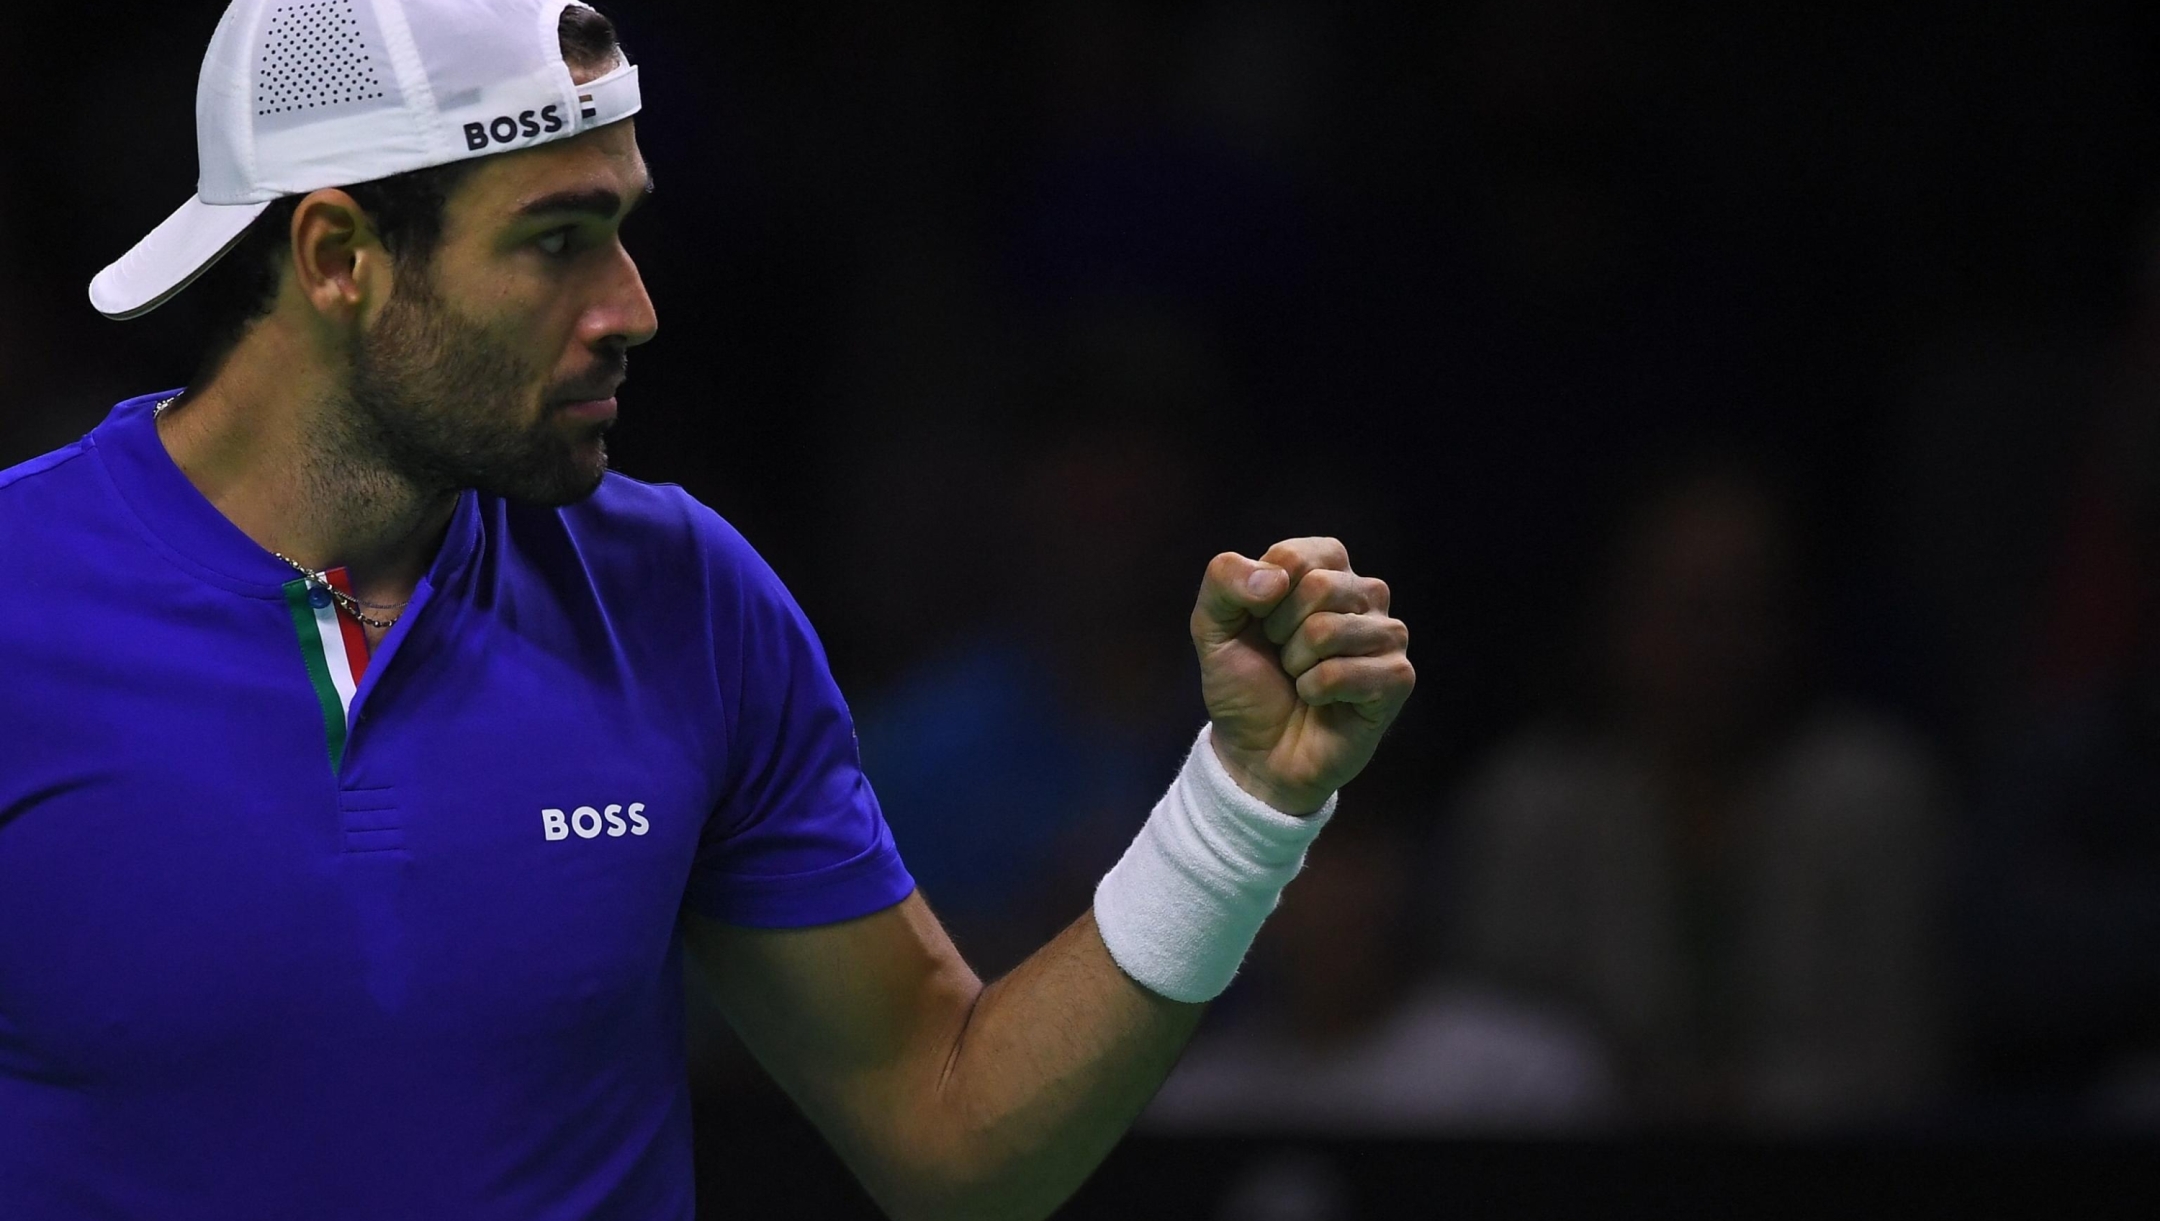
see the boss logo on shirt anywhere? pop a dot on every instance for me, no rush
(507, 129)
(587, 823)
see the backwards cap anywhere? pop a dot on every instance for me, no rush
(298, 95)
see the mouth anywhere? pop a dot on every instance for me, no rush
(589, 410)
(592, 402)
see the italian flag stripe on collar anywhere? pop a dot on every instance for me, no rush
(335, 650)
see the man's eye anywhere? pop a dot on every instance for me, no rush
(555, 242)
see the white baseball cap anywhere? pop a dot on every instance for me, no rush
(298, 95)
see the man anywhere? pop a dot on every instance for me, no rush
(373, 756)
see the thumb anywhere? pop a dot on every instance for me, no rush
(1235, 591)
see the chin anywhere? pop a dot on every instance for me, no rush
(586, 479)
(584, 466)
(572, 478)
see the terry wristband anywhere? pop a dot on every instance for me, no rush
(1181, 907)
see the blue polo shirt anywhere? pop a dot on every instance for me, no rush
(276, 947)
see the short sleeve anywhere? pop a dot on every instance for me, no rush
(796, 837)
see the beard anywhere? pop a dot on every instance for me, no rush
(441, 401)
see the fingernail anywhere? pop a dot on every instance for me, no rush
(1263, 581)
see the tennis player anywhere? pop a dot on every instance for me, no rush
(373, 757)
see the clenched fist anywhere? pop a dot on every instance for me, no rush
(1301, 666)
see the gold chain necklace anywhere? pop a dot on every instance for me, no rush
(346, 600)
(319, 580)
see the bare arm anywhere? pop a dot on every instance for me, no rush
(947, 1098)
(952, 1100)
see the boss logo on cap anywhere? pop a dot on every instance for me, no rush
(509, 129)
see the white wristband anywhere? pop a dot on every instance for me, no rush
(1183, 904)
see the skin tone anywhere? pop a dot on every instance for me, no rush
(336, 434)
(952, 1099)
(524, 313)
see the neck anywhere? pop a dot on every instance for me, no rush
(281, 457)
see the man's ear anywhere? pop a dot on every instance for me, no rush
(339, 261)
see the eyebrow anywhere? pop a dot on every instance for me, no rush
(595, 201)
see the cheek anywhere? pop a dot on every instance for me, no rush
(523, 355)
(523, 347)
(522, 323)
(558, 351)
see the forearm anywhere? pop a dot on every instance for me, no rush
(1049, 1068)
(955, 1100)
(947, 1098)
(1048, 1065)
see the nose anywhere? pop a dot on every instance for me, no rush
(624, 316)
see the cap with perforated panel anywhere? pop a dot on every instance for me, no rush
(298, 95)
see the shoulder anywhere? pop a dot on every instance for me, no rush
(655, 545)
(652, 529)
(44, 496)
(41, 476)
(651, 516)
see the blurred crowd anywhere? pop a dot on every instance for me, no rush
(1758, 419)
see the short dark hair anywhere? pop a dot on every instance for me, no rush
(406, 210)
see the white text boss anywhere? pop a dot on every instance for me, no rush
(588, 822)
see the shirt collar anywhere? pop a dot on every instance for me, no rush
(185, 525)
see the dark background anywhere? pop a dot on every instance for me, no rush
(986, 320)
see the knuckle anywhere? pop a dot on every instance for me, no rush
(1355, 594)
(1347, 591)
(1377, 590)
(1322, 629)
(1298, 662)
(1318, 550)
